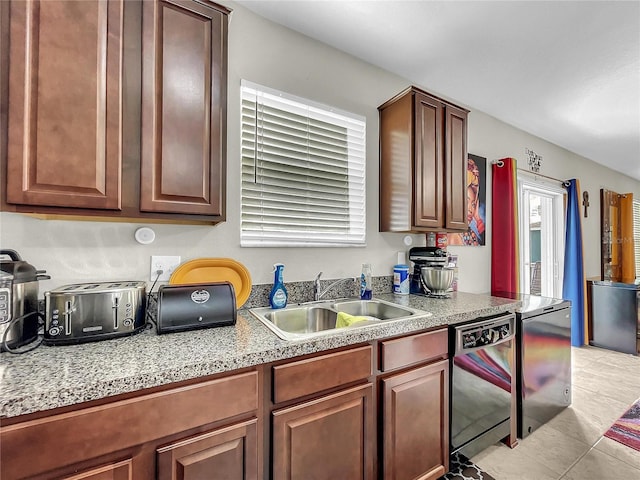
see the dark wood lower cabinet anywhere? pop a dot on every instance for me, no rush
(185, 432)
(415, 423)
(329, 438)
(224, 454)
(330, 414)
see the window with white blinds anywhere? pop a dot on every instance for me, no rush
(636, 234)
(303, 172)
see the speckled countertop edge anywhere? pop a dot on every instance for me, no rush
(52, 377)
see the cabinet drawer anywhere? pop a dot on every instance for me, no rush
(91, 432)
(401, 352)
(312, 375)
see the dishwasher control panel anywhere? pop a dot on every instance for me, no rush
(484, 332)
(485, 336)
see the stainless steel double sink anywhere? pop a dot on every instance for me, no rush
(308, 320)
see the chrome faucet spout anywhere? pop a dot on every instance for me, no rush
(316, 287)
(318, 293)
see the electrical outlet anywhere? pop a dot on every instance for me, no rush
(165, 263)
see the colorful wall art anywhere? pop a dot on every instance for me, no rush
(476, 204)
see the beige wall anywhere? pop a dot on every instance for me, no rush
(266, 53)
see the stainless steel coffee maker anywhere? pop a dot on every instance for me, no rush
(425, 257)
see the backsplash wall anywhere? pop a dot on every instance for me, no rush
(266, 53)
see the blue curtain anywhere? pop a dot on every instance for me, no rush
(573, 287)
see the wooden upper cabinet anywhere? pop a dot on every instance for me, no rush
(428, 168)
(183, 108)
(65, 85)
(423, 162)
(456, 167)
(116, 109)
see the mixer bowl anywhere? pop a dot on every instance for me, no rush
(437, 279)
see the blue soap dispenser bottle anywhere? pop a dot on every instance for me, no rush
(365, 282)
(278, 295)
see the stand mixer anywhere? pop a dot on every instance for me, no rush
(426, 257)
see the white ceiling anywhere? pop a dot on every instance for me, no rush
(566, 71)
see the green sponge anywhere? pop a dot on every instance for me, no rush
(346, 320)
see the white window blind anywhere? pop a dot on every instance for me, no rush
(636, 234)
(303, 172)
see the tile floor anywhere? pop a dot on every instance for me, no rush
(572, 446)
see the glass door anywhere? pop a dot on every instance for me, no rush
(541, 237)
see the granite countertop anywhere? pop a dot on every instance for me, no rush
(57, 376)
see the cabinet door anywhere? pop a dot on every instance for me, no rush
(396, 164)
(456, 168)
(326, 439)
(183, 108)
(428, 164)
(115, 471)
(230, 453)
(416, 423)
(65, 85)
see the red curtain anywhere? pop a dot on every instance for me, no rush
(505, 258)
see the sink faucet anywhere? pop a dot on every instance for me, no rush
(318, 293)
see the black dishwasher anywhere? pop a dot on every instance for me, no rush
(482, 369)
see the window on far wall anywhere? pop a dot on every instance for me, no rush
(636, 234)
(303, 172)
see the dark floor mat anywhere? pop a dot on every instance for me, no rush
(461, 468)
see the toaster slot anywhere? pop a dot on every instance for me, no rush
(114, 309)
(67, 317)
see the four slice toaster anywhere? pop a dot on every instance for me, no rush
(85, 312)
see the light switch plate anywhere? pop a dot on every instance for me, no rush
(165, 263)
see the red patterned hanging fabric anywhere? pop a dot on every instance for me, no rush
(505, 258)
